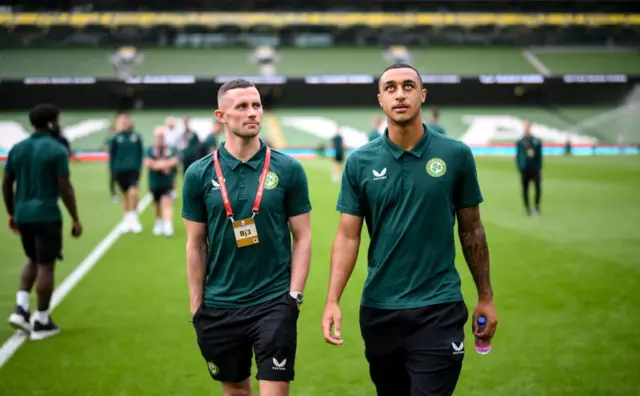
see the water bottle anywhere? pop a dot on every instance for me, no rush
(482, 347)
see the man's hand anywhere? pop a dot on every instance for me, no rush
(76, 229)
(332, 323)
(485, 308)
(12, 226)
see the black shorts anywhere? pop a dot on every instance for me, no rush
(160, 192)
(339, 157)
(415, 352)
(126, 180)
(227, 337)
(42, 242)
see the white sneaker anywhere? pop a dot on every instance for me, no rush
(167, 229)
(136, 227)
(157, 229)
(126, 225)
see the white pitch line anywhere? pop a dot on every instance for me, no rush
(18, 338)
(536, 63)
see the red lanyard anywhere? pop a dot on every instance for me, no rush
(223, 185)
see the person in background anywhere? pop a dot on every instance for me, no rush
(568, 147)
(529, 162)
(162, 162)
(107, 148)
(210, 143)
(375, 128)
(434, 120)
(338, 158)
(190, 147)
(127, 149)
(65, 143)
(38, 166)
(172, 135)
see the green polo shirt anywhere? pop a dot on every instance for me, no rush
(436, 128)
(191, 149)
(374, 134)
(529, 154)
(37, 163)
(126, 150)
(159, 179)
(210, 143)
(241, 277)
(338, 145)
(408, 200)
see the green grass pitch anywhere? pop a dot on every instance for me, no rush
(210, 62)
(565, 284)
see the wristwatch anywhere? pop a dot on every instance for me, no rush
(297, 296)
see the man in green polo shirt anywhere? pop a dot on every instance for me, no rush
(210, 143)
(410, 186)
(162, 162)
(337, 141)
(529, 162)
(240, 206)
(375, 128)
(434, 124)
(190, 148)
(39, 168)
(126, 149)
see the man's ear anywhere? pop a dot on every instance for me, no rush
(220, 116)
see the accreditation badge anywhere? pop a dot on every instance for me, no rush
(531, 153)
(245, 232)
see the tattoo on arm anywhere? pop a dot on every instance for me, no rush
(475, 249)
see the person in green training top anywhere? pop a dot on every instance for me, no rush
(126, 148)
(210, 143)
(375, 128)
(433, 123)
(241, 204)
(162, 162)
(529, 162)
(190, 146)
(410, 186)
(107, 148)
(39, 168)
(337, 141)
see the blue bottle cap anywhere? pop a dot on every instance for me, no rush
(482, 320)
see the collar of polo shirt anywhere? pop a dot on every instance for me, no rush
(416, 151)
(232, 162)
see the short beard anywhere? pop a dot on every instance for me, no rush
(246, 135)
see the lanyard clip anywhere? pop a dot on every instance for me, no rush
(231, 218)
(253, 214)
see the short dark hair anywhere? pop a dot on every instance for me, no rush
(404, 66)
(234, 84)
(41, 115)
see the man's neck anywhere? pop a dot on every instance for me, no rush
(406, 136)
(241, 148)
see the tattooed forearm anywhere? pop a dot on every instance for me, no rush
(475, 249)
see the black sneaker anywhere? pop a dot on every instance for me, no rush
(40, 331)
(19, 319)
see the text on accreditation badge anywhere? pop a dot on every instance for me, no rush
(246, 232)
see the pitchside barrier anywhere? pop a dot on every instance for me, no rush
(184, 91)
(494, 150)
